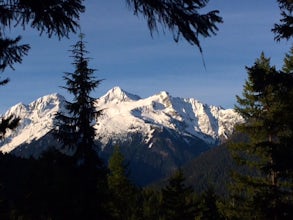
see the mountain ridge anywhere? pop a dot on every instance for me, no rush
(125, 112)
(157, 134)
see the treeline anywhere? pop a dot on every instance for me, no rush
(55, 187)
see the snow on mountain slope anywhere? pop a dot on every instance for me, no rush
(36, 121)
(117, 95)
(186, 116)
(124, 113)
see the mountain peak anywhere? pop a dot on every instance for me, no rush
(116, 90)
(36, 120)
(164, 95)
(119, 95)
(18, 109)
(41, 104)
(47, 102)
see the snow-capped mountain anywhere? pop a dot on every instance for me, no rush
(36, 121)
(159, 125)
(124, 113)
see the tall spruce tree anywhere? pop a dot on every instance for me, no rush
(177, 199)
(207, 207)
(124, 194)
(151, 204)
(75, 128)
(262, 188)
(75, 131)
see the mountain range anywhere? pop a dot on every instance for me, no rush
(156, 134)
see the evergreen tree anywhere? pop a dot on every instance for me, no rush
(288, 62)
(58, 17)
(124, 200)
(151, 204)
(284, 30)
(7, 123)
(208, 207)
(75, 130)
(262, 189)
(182, 18)
(177, 200)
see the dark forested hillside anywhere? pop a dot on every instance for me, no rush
(210, 169)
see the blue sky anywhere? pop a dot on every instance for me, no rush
(126, 55)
